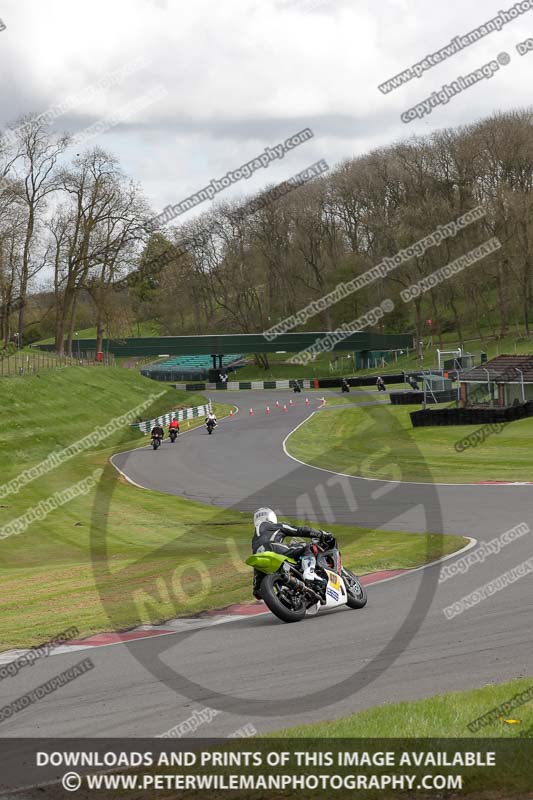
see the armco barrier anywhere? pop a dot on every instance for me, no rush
(320, 383)
(470, 416)
(236, 385)
(180, 415)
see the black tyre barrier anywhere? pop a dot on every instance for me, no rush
(415, 398)
(470, 416)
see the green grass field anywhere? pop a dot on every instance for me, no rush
(446, 715)
(96, 561)
(380, 442)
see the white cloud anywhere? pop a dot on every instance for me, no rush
(244, 74)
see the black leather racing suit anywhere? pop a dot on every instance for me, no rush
(270, 537)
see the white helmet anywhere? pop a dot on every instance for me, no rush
(263, 515)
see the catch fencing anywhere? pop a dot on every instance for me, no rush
(31, 363)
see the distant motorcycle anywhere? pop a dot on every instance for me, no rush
(345, 386)
(297, 387)
(156, 441)
(210, 424)
(172, 434)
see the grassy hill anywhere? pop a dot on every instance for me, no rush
(107, 559)
(47, 570)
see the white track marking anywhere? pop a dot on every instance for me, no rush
(141, 446)
(182, 624)
(378, 480)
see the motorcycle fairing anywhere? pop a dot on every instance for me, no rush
(268, 561)
(336, 594)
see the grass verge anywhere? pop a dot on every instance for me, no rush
(446, 715)
(380, 442)
(105, 568)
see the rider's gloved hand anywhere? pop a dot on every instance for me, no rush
(317, 534)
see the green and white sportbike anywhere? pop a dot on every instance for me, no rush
(289, 597)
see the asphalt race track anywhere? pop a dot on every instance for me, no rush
(260, 671)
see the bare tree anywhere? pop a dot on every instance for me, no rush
(35, 165)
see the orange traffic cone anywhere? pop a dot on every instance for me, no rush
(291, 403)
(231, 412)
(284, 407)
(306, 401)
(268, 410)
(277, 403)
(252, 413)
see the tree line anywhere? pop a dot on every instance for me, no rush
(244, 266)
(70, 227)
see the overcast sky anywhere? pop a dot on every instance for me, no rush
(242, 75)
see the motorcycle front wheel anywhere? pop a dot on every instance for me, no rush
(357, 597)
(280, 599)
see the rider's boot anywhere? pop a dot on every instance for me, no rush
(308, 566)
(309, 573)
(258, 576)
(313, 580)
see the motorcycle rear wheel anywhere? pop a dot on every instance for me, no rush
(270, 586)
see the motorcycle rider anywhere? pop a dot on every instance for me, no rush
(345, 386)
(269, 535)
(211, 417)
(174, 426)
(380, 383)
(157, 431)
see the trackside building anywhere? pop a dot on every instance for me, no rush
(503, 381)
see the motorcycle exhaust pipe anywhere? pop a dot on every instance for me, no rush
(301, 586)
